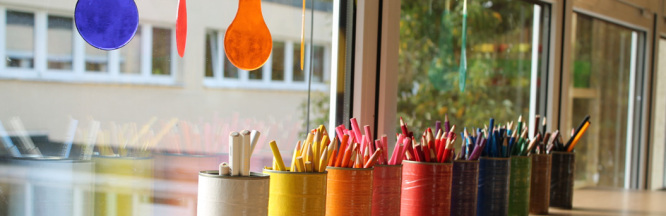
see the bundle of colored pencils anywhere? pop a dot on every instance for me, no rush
(575, 137)
(505, 141)
(436, 148)
(357, 149)
(311, 155)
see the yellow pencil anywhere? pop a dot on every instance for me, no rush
(295, 154)
(323, 161)
(277, 156)
(300, 166)
(308, 166)
(578, 136)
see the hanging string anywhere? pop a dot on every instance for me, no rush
(463, 52)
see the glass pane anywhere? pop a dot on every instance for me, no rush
(130, 55)
(161, 51)
(60, 37)
(299, 75)
(20, 40)
(256, 74)
(139, 141)
(230, 71)
(602, 65)
(500, 56)
(277, 72)
(97, 60)
(318, 64)
(211, 50)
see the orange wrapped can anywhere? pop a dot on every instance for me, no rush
(348, 191)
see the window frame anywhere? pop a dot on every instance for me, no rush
(78, 74)
(266, 83)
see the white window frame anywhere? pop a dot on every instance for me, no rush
(266, 83)
(78, 74)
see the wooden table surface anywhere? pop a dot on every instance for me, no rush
(615, 202)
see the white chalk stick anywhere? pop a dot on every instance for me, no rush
(247, 153)
(235, 153)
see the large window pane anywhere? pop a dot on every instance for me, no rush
(20, 39)
(161, 51)
(145, 125)
(60, 37)
(500, 60)
(602, 66)
(130, 55)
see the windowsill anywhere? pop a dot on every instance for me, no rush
(86, 77)
(263, 85)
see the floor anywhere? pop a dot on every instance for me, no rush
(615, 202)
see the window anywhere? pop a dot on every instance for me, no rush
(60, 42)
(125, 100)
(161, 51)
(130, 55)
(20, 39)
(96, 60)
(506, 55)
(281, 71)
(277, 61)
(604, 84)
(44, 46)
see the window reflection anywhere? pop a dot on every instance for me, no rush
(97, 60)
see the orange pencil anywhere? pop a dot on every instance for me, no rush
(332, 161)
(346, 158)
(373, 159)
(343, 150)
(578, 136)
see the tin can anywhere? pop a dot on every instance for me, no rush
(426, 188)
(519, 186)
(124, 185)
(463, 187)
(50, 186)
(540, 185)
(562, 179)
(348, 191)
(232, 195)
(493, 190)
(386, 182)
(297, 193)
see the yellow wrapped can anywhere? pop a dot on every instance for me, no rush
(297, 193)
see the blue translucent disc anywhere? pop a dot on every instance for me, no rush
(106, 24)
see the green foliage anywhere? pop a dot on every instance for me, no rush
(498, 79)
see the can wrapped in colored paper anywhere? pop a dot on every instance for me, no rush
(124, 185)
(48, 186)
(540, 185)
(519, 186)
(297, 193)
(348, 191)
(386, 190)
(232, 195)
(463, 187)
(493, 190)
(562, 180)
(426, 188)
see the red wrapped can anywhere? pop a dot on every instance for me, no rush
(386, 183)
(426, 188)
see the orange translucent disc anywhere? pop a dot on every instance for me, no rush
(248, 41)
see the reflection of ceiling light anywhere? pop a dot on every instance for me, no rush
(488, 4)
